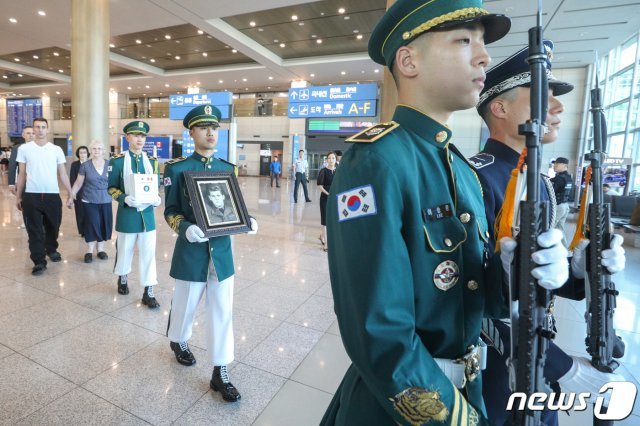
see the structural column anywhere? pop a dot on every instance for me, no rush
(90, 71)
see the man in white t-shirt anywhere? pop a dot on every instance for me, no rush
(38, 195)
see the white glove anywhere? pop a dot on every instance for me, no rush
(157, 202)
(552, 258)
(254, 227)
(613, 258)
(131, 202)
(193, 234)
(583, 377)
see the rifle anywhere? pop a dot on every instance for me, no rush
(602, 342)
(531, 327)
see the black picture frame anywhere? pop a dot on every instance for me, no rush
(208, 187)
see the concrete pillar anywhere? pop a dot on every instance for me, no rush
(90, 71)
(389, 94)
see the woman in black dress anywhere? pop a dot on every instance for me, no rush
(83, 155)
(325, 177)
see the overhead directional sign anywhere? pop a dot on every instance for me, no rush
(180, 105)
(333, 109)
(355, 100)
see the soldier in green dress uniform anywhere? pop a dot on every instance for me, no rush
(410, 269)
(200, 265)
(135, 222)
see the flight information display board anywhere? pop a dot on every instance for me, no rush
(20, 113)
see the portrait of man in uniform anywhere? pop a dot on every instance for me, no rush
(219, 207)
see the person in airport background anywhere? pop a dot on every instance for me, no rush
(409, 265)
(28, 135)
(504, 104)
(275, 171)
(338, 156)
(325, 177)
(202, 267)
(90, 190)
(135, 221)
(217, 205)
(83, 155)
(40, 164)
(5, 153)
(301, 173)
(562, 184)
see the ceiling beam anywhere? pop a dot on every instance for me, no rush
(35, 72)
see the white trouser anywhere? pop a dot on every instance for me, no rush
(125, 245)
(218, 314)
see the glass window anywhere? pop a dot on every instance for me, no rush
(628, 52)
(621, 86)
(634, 120)
(617, 118)
(615, 145)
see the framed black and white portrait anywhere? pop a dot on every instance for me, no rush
(217, 203)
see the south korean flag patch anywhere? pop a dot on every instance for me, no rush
(167, 181)
(356, 202)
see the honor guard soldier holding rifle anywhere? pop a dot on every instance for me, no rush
(201, 266)
(505, 103)
(410, 269)
(135, 221)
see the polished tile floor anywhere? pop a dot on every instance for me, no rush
(74, 351)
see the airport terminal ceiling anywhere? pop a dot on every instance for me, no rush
(251, 46)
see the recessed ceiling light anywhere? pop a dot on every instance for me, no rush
(61, 71)
(359, 36)
(269, 87)
(200, 32)
(343, 72)
(111, 45)
(128, 87)
(301, 24)
(16, 59)
(160, 93)
(177, 57)
(4, 76)
(282, 45)
(139, 41)
(321, 13)
(261, 29)
(197, 82)
(178, 41)
(44, 94)
(57, 93)
(244, 79)
(205, 54)
(166, 85)
(312, 75)
(356, 31)
(252, 23)
(294, 17)
(146, 87)
(19, 75)
(168, 37)
(42, 13)
(319, 41)
(275, 40)
(234, 50)
(341, 10)
(313, 36)
(13, 20)
(152, 60)
(346, 18)
(144, 57)
(376, 70)
(220, 81)
(56, 54)
(36, 57)
(270, 78)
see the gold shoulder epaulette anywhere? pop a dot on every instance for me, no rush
(373, 133)
(175, 160)
(228, 162)
(117, 156)
(152, 158)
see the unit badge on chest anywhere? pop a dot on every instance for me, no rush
(446, 275)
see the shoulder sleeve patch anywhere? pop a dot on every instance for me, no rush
(373, 133)
(176, 160)
(481, 160)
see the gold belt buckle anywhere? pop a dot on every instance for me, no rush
(471, 363)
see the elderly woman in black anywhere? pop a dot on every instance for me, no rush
(325, 177)
(83, 155)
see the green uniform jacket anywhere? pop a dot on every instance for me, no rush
(129, 219)
(410, 276)
(190, 261)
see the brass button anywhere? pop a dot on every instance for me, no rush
(441, 136)
(465, 217)
(486, 234)
(204, 160)
(472, 285)
(447, 242)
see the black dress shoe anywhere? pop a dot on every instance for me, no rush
(102, 255)
(88, 258)
(220, 383)
(38, 269)
(149, 299)
(308, 201)
(183, 353)
(55, 256)
(123, 288)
